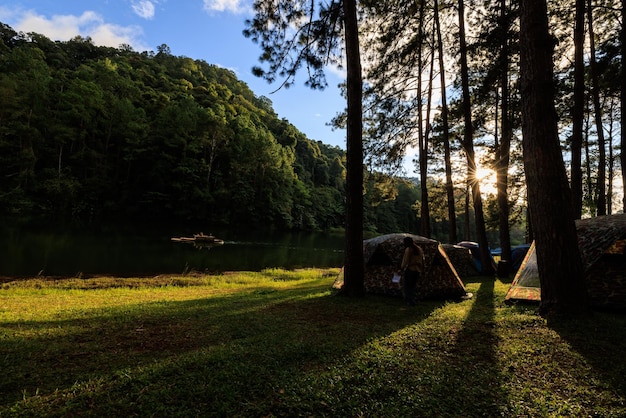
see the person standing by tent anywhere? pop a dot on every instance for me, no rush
(412, 267)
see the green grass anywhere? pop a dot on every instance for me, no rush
(281, 343)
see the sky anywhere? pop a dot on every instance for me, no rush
(209, 30)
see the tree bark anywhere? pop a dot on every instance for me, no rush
(597, 109)
(623, 103)
(422, 133)
(452, 233)
(466, 225)
(549, 196)
(468, 146)
(610, 161)
(353, 255)
(578, 110)
(504, 148)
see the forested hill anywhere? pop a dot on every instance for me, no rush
(94, 133)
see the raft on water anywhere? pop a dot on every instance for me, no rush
(200, 238)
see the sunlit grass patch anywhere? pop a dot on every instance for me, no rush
(300, 274)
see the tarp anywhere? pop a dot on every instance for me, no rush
(602, 242)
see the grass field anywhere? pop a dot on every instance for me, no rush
(281, 343)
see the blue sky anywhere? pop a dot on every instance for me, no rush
(210, 30)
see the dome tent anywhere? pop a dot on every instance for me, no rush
(518, 254)
(475, 250)
(383, 256)
(462, 260)
(602, 244)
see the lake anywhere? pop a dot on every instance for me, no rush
(147, 251)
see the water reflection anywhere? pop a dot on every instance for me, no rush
(199, 245)
(149, 251)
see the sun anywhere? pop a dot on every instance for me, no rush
(487, 180)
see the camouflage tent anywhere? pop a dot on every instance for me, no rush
(602, 242)
(383, 256)
(462, 260)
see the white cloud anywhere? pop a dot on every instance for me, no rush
(235, 70)
(234, 6)
(143, 8)
(337, 71)
(114, 35)
(6, 14)
(89, 24)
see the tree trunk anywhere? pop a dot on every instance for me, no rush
(504, 148)
(422, 140)
(611, 161)
(468, 146)
(590, 200)
(578, 110)
(60, 162)
(353, 255)
(468, 231)
(452, 234)
(595, 88)
(549, 197)
(424, 160)
(623, 104)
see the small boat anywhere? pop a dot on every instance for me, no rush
(210, 239)
(200, 238)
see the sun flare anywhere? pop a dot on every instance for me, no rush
(487, 180)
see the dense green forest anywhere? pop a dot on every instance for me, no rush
(90, 133)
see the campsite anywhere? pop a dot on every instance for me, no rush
(281, 343)
(463, 128)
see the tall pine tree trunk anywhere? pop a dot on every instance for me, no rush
(422, 144)
(549, 196)
(424, 160)
(353, 255)
(591, 197)
(504, 148)
(466, 225)
(578, 110)
(623, 104)
(595, 88)
(452, 233)
(468, 146)
(610, 160)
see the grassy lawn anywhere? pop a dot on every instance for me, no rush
(281, 343)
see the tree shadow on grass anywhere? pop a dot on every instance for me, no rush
(566, 366)
(421, 370)
(470, 374)
(204, 356)
(601, 340)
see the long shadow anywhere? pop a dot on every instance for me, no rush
(601, 340)
(228, 350)
(421, 370)
(473, 379)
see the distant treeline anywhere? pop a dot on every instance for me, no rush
(92, 133)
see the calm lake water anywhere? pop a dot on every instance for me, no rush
(126, 251)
